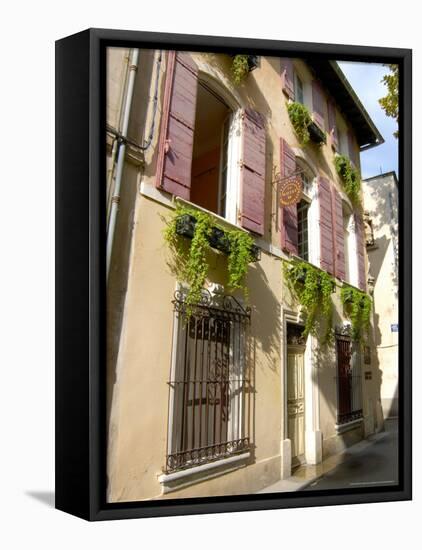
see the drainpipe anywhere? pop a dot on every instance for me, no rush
(133, 67)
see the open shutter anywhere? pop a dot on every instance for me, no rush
(318, 104)
(288, 214)
(253, 172)
(174, 162)
(338, 229)
(332, 126)
(287, 77)
(360, 248)
(326, 225)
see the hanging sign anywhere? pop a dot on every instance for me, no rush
(290, 191)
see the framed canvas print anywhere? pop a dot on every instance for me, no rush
(233, 274)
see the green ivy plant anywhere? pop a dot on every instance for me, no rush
(312, 288)
(190, 257)
(301, 119)
(350, 177)
(240, 68)
(190, 262)
(239, 258)
(357, 307)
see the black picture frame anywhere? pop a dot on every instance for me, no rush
(80, 274)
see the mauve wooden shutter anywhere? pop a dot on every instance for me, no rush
(326, 225)
(318, 104)
(253, 172)
(174, 164)
(332, 123)
(360, 248)
(287, 77)
(338, 229)
(288, 214)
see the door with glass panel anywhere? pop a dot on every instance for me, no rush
(296, 401)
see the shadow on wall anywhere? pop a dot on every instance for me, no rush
(382, 215)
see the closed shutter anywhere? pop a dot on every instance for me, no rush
(174, 162)
(318, 104)
(360, 248)
(288, 214)
(326, 225)
(287, 77)
(338, 229)
(253, 172)
(332, 123)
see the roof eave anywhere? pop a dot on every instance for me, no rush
(378, 139)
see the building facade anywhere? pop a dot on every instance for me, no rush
(381, 205)
(229, 399)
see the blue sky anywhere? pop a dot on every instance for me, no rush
(366, 78)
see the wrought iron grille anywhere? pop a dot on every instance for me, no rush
(210, 386)
(349, 381)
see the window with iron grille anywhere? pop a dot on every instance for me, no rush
(349, 381)
(210, 390)
(302, 229)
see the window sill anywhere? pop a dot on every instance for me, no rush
(347, 426)
(184, 478)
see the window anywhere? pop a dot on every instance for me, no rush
(306, 211)
(210, 396)
(298, 89)
(213, 154)
(302, 229)
(349, 381)
(342, 143)
(350, 246)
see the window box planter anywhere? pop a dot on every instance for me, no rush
(301, 278)
(316, 134)
(185, 226)
(253, 61)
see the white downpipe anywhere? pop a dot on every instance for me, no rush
(133, 67)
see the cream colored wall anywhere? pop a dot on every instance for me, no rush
(139, 420)
(141, 288)
(382, 268)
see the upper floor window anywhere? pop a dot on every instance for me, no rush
(298, 86)
(211, 152)
(210, 187)
(350, 245)
(306, 217)
(302, 229)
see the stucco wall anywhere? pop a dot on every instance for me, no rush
(381, 202)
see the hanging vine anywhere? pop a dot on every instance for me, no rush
(301, 119)
(239, 258)
(240, 68)
(350, 177)
(189, 257)
(357, 307)
(190, 263)
(312, 288)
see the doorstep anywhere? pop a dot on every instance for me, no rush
(306, 474)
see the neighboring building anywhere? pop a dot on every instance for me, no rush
(229, 402)
(381, 205)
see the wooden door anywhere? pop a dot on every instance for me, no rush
(296, 401)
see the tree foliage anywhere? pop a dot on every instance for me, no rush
(390, 102)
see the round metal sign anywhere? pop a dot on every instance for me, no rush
(290, 191)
